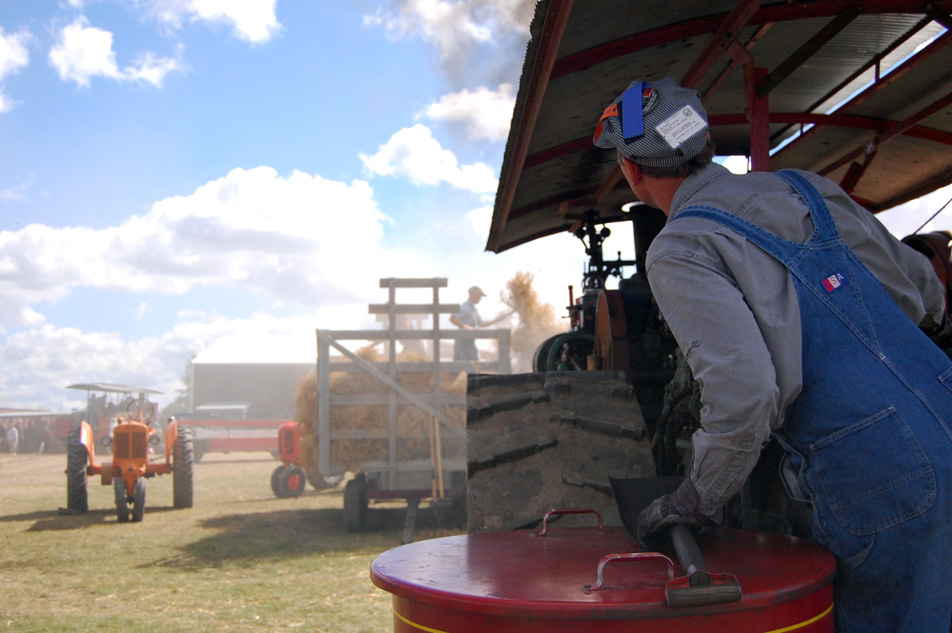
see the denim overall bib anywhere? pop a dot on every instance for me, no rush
(869, 435)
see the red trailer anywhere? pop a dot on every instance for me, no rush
(232, 436)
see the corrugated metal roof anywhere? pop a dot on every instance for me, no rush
(813, 53)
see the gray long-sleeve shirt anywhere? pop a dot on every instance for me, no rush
(734, 311)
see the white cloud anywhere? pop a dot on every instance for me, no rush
(14, 55)
(476, 41)
(481, 219)
(254, 21)
(283, 237)
(18, 191)
(141, 310)
(485, 114)
(82, 52)
(413, 153)
(454, 25)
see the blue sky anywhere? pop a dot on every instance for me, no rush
(176, 171)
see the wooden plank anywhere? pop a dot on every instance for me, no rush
(371, 399)
(415, 366)
(413, 308)
(392, 282)
(414, 335)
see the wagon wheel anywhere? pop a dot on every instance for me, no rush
(141, 410)
(122, 505)
(355, 503)
(292, 481)
(138, 500)
(276, 481)
(182, 469)
(76, 457)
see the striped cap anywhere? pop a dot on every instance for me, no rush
(657, 124)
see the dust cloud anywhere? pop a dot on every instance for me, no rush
(537, 320)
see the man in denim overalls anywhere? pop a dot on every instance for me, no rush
(802, 318)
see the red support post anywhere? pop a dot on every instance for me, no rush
(758, 111)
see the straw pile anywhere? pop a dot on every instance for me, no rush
(537, 320)
(369, 423)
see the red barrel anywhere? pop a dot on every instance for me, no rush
(521, 583)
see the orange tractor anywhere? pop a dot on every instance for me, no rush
(289, 479)
(130, 442)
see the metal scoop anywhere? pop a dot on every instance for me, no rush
(698, 587)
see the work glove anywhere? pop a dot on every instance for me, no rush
(679, 507)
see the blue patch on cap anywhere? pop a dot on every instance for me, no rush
(632, 114)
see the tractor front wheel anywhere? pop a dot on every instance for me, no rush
(292, 481)
(76, 457)
(182, 469)
(276, 481)
(138, 500)
(122, 506)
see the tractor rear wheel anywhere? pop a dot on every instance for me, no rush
(276, 481)
(549, 440)
(182, 469)
(138, 500)
(355, 503)
(76, 457)
(292, 481)
(122, 506)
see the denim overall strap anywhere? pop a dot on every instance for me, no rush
(869, 431)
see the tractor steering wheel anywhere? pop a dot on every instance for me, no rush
(141, 410)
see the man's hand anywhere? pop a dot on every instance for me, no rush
(680, 507)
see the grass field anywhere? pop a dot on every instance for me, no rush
(240, 560)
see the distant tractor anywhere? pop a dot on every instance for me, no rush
(289, 479)
(129, 442)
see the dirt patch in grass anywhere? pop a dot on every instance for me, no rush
(239, 560)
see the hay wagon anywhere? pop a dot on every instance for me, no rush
(396, 421)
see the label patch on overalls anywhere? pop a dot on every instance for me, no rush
(834, 282)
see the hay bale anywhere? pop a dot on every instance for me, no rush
(412, 424)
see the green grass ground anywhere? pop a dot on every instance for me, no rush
(240, 560)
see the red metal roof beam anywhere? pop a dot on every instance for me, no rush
(893, 131)
(557, 16)
(721, 40)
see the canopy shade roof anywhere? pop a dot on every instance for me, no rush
(779, 81)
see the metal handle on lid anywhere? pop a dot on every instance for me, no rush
(558, 511)
(600, 574)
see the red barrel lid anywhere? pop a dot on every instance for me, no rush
(517, 574)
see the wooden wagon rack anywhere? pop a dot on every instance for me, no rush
(441, 475)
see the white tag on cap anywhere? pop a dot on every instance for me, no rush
(681, 126)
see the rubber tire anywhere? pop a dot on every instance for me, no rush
(138, 501)
(292, 481)
(541, 441)
(355, 503)
(122, 506)
(276, 481)
(183, 469)
(77, 499)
